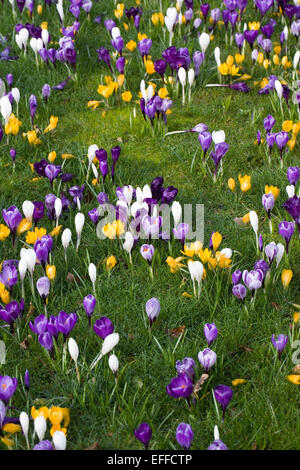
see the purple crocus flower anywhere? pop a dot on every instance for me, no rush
(41, 251)
(264, 6)
(160, 67)
(217, 445)
(293, 174)
(205, 140)
(223, 394)
(61, 85)
(268, 201)
(253, 279)
(9, 275)
(143, 434)
(51, 172)
(94, 215)
(207, 358)
(109, 25)
(205, 9)
(271, 251)
(239, 39)
(46, 340)
(180, 386)
(198, 59)
(286, 230)
(184, 435)
(220, 150)
(103, 54)
(52, 326)
(168, 195)
(43, 445)
(292, 206)
(32, 107)
(180, 232)
(239, 291)
(77, 193)
(40, 325)
(46, 91)
(250, 36)
(12, 217)
(13, 154)
(147, 252)
(2, 413)
(103, 327)
(10, 313)
(8, 387)
(279, 343)
(115, 153)
(144, 46)
(43, 287)
(89, 303)
(118, 44)
(66, 323)
(27, 380)
(281, 139)
(210, 332)
(236, 277)
(260, 242)
(152, 309)
(186, 366)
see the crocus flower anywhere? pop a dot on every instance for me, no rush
(43, 287)
(180, 386)
(293, 175)
(292, 206)
(40, 325)
(103, 327)
(223, 394)
(271, 251)
(10, 313)
(269, 122)
(268, 201)
(186, 366)
(66, 323)
(27, 380)
(143, 434)
(152, 309)
(184, 435)
(239, 291)
(147, 252)
(32, 107)
(236, 277)
(279, 343)
(46, 340)
(210, 332)
(43, 445)
(8, 387)
(286, 230)
(180, 232)
(207, 358)
(253, 279)
(12, 217)
(9, 275)
(217, 444)
(89, 303)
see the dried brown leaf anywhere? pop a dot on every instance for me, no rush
(93, 446)
(198, 385)
(30, 311)
(175, 332)
(25, 342)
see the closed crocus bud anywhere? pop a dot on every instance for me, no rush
(152, 309)
(66, 238)
(73, 349)
(231, 184)
(28, 209)
(280, 253)
(91, 152)
(279, 89)
(40, 426)
(254, 221)
(210, 332)
(51, 272)
(204, 41)
(184, 435)
(58, 208)
(43, 287)
(286, 277)
(217, 54)
(128, 243)
(29, 256)
(290, 189)
(113, 363)
(89, 303)
(16, 94)
(143, 433)
(191, 76)
(182, 76)
(196, 270)
(92, 273)
(22, 267)
(27, 380)
(109, 343)
(24, 422)
(176, 212)
(79, 223)
(59, 440)
(5, 108)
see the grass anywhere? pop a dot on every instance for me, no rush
(264, 412)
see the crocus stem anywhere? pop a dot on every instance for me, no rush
(23, 290)
(77, 372)
(151, 271)
(270, 225)
(78, 242)
(96, 360)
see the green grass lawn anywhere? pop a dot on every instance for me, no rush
(263, 413)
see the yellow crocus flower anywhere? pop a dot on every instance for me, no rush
(294, 379)
(37, 234)
(246, 218)
(237, 382)
(51, 272)
(4, 232)
(286, 277)
(272, 189)
(43, 411)
(52, 125)
(216, 240)
(231, 184)
(245, 183)
(174, 263)
(131, 45)
(52, 157)
(93, 104)
(111, 262)
(126, 96)
(23, 226)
